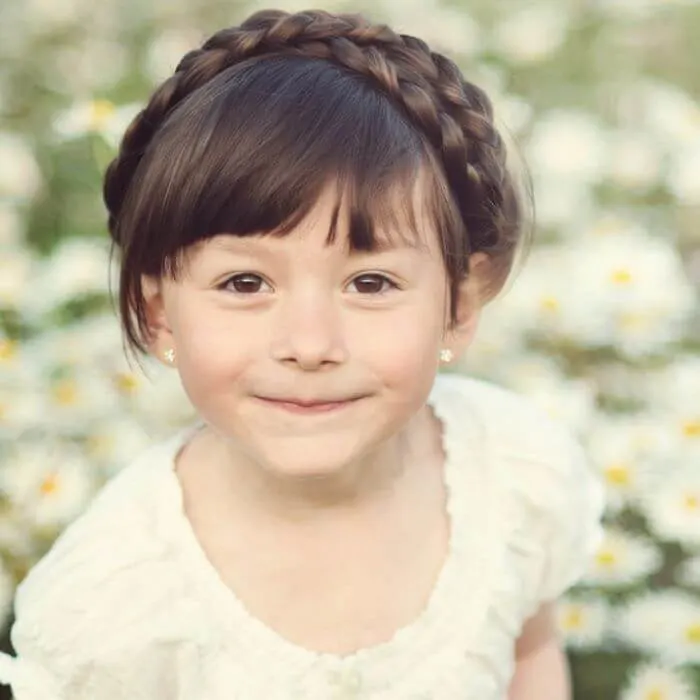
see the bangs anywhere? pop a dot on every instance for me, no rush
(253, 150)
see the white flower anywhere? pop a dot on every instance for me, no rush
(540, 298)
(568, 401)
(583, 621)
(623, 559)
(20, 176)
(15, 537)
(17, 274)
(653, 681)
(90, 64)
(673, 392)
(95, 116)
(689, 572)
(635, 160)
(446, 29)
(49, 15)
(166, 50)
(48, 481)
(21, 409)
(531, 33)
(561, 204)
(513, 113)
(637, 295)
(684, 175)
(627, 450)
(676, 383)
(73, 401)
(669, 112)
(568, 145)
(673, 507)
(115, 442)
(666, 624)
(78, 266)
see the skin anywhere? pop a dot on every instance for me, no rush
(292, 317)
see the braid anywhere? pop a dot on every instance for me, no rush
(455, 116)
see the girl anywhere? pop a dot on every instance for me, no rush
(310, 213)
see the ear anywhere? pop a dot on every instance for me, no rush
(470, 300)
(160, 337)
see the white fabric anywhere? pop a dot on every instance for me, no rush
(126, 605)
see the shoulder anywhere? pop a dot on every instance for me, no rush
(551, 501)
(508, 423)
(106, 571)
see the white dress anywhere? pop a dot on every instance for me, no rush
(127, 606)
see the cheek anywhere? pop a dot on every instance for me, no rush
(209, 354)
(402, 348)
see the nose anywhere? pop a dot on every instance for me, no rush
(308, 331)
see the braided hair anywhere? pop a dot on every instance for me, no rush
(251, 127)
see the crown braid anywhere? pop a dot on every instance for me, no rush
(455, 116)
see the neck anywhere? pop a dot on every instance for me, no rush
(357, 488)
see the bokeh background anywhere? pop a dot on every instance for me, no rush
(601, 327)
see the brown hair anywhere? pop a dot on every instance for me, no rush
(251, 127)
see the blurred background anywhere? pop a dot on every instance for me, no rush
(599, 97)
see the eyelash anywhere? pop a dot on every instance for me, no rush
(224, 286)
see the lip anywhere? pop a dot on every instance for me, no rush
(308, 407)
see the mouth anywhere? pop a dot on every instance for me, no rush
(293, 405)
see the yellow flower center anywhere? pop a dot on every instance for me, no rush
(606, 558)
(550, 304)
(573, 618)
(99, 445)
(618, 474)
(621, 276)
(691, 428)
(126, 383)
(8, 350)
(65, 393)
(656, 694)
(101, 111)
(49, 485)
(692, 634)
(692, 502)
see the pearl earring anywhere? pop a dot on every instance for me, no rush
(169, 355)
(446, 355)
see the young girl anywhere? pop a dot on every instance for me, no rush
(310, 213)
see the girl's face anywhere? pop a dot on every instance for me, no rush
(255, 321)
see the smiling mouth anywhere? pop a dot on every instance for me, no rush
(297, 406)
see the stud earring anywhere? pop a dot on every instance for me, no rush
(169, 355)
(446, 355)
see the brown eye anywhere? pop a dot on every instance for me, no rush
(373, 284)
(246, 283)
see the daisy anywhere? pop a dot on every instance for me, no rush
(532, 33)
(666, 624)
(20, 175)
(673, 507)
(689, 572)
(583, 622)
(622, 559)
(49, 482)
(568, 145)
(652, 681)
(627, 451)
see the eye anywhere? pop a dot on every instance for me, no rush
(373, 284)
(245, 283)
